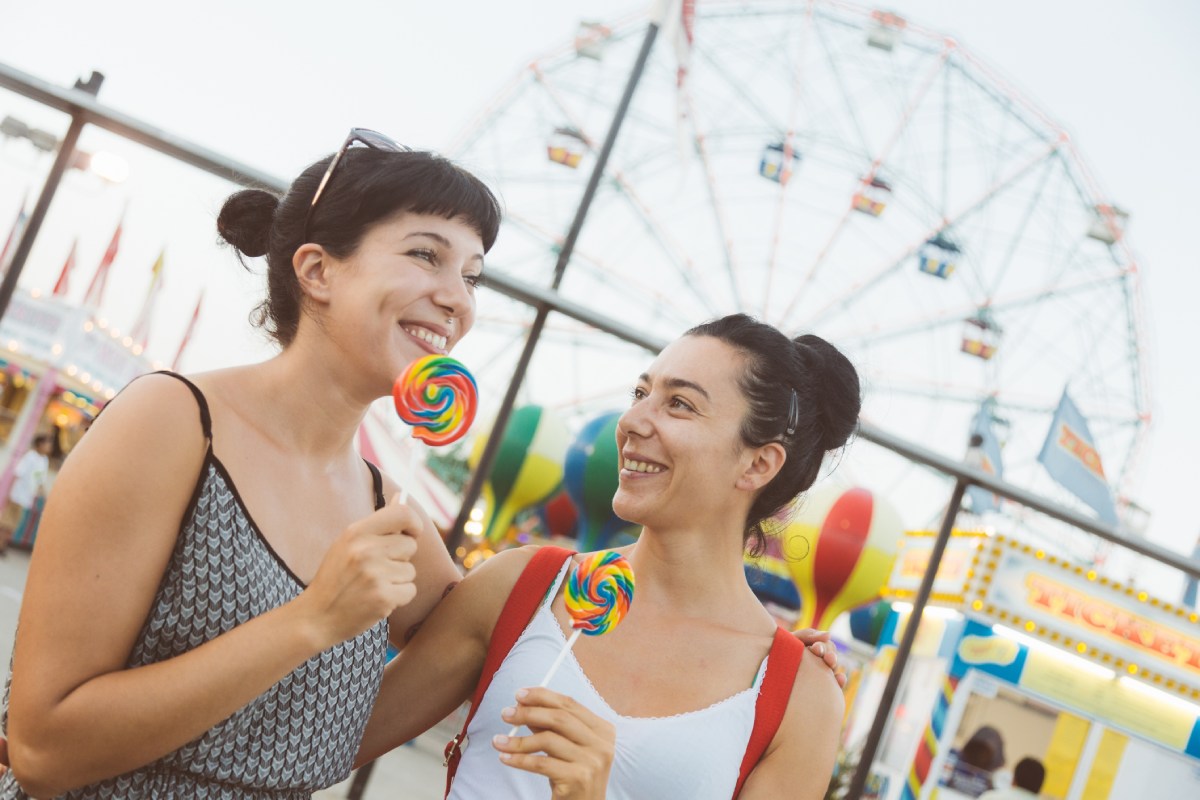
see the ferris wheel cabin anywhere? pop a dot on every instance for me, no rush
(778, 162)
(938, 256)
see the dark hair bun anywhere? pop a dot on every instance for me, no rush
(245, 221)
(836, 389)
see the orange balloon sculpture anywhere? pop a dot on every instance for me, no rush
(840, 548)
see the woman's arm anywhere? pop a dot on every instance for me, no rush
(76, 714)
(800, 759)
(439, 668)
(436, 575)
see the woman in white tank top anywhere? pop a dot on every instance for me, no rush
(727, 426)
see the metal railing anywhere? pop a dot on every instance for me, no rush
(85, 109)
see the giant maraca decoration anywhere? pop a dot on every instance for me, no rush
(840, 549)
(527, 470)
(598, 594)
(438, 397)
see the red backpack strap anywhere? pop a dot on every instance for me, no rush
(782, 663)
(526, 595)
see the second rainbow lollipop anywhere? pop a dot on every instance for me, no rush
(598, 594)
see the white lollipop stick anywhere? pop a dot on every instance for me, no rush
(554, 668)
(414, 460)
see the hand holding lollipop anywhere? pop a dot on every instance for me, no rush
(598, 595)
(438, 397)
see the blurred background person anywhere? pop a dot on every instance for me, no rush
(29, 486)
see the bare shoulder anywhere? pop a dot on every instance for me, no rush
(154, 422)
(501, 571)
(801, 756)
(152, 398)
(493, 580)
(813, 719)
(816, 691)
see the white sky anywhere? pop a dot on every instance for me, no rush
(277, 84)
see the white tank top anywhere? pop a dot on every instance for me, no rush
(695, 755)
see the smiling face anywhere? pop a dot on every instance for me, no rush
(407, 291)
(683, 459)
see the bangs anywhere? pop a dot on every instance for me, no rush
(418, 183)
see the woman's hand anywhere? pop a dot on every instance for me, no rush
(821, 646)
(366, 575)
(570, 745)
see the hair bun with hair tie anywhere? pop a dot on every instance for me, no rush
(245, 221)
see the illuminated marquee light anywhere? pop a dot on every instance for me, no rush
(1098, 615)
(960, 563)
(1112, 619)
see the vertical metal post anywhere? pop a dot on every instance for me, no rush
(62, 162)
(871, 746)
(488, 457)
(359, 785)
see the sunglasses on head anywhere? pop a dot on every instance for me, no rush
(365, 137)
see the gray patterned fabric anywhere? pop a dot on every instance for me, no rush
(299, 736)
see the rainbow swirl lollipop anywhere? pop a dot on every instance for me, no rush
(598, 595)
(599, 592)
(437, 396)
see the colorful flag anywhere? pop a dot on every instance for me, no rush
(1070, 456)
(14, 235)
(187, 335)
(95, 290)
(984, 455)
(64, 277)
(141, 327)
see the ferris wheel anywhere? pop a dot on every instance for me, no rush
(833, 169)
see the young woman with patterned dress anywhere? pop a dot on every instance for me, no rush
(217, 573)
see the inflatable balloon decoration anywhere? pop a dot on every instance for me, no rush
(840, 548)
(528, 467)
(866, 623)
(592, 474)
(437, 397)
(558, 515)
(598, 594)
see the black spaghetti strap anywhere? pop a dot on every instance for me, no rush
(205, 417)
(377, 482)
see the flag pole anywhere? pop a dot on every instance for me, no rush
(187, 334)
(94, 295)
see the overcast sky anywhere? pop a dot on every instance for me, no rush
(277, 84)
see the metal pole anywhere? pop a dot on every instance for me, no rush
(977, 477)
(71, 101)
(488, 457)
(359, 785)
(867, 756)
(62, 162)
